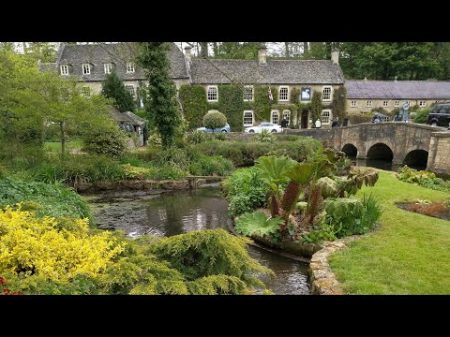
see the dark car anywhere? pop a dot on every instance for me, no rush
(439, 115)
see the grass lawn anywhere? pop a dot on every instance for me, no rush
(408, 254)
(55, 147)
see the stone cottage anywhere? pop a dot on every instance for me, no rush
(365, 95)
(91, 63)
(283, 76)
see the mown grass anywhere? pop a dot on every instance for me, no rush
(408, 254)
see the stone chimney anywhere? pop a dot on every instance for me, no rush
(262, 55)
(335, 56)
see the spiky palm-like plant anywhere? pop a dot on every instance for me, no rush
(274, 172)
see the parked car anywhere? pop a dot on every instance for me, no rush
(439, 115)
(264, 126)
(223, 129)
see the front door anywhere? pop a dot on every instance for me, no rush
(304, 121)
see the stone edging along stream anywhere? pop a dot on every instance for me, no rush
(322, 279)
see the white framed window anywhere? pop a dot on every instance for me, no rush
(130, 67)
(422, 104)
(396, 103)
(86, 91)
(248, 93)
(86, 68)
(325, 117)
(283, 94)
(275, 116)
(212, 93)
(248, 118)
(64, 69)
(353, 104)
(327, 93)
(385, 103)
(108, 68)
(369, 103)
(287, 115)
(131, 90)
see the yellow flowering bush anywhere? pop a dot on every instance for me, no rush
(135, 172)
(42, 247)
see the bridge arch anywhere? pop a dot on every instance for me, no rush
(380, 151)
(350, 150)
(416, 159)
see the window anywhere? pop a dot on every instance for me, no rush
(306, 94)
(86, 69)
(212, 93)
(248, 93)
(422, 104)
(368, 104)
(275, 116)
(396, 103)
(248, 118)
(64, 69)
(385, 103)
(283, 94)
(131, 90)
(325, 117)
(326, 93)
(130, 67)
(287, 115)
(108, 68)
(353, 103)
(86, 91)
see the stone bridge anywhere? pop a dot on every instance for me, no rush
(402, 143)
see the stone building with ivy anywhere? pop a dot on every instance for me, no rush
(366, 96)
(238, 88)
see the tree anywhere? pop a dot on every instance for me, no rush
(237, 50)
(204, 50)
(161, 107)
(42, 51)
(114, 88)
(316, 105)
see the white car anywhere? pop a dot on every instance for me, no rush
(264, 126)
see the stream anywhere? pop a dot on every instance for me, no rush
(172, 213)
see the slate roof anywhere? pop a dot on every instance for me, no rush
(215, 71)
(118, 54)
(366, 89)
(126, 117)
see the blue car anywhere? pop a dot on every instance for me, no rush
(226, 128)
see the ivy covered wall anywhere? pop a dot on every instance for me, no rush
(231, 103)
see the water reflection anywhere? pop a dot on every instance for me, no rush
(180, 212)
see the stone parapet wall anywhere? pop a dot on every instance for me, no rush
(439, 153)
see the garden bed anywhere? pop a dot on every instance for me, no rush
(440, 210)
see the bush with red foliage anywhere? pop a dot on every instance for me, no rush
(7, 291)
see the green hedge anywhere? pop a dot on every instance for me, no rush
(193, 99)
(231, 104)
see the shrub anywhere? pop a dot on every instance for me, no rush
(197, 137)
(423, 178)
(205, 253)
(47, 199)
(351, 216)
(245, 190)
(209, 166)
(265, 136)
(36, 247)
(422, 115)
(214, 120)
(110, 142)
(324, 232)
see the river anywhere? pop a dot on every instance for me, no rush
(172, 213)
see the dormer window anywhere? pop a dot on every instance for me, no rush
(130, 68)
(86, 68)
(108, 68)
(64, 69)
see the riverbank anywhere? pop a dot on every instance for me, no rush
(408, 254)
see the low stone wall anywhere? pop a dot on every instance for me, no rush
(322, 279)
(133, 185)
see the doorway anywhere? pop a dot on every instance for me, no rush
(304, 119)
